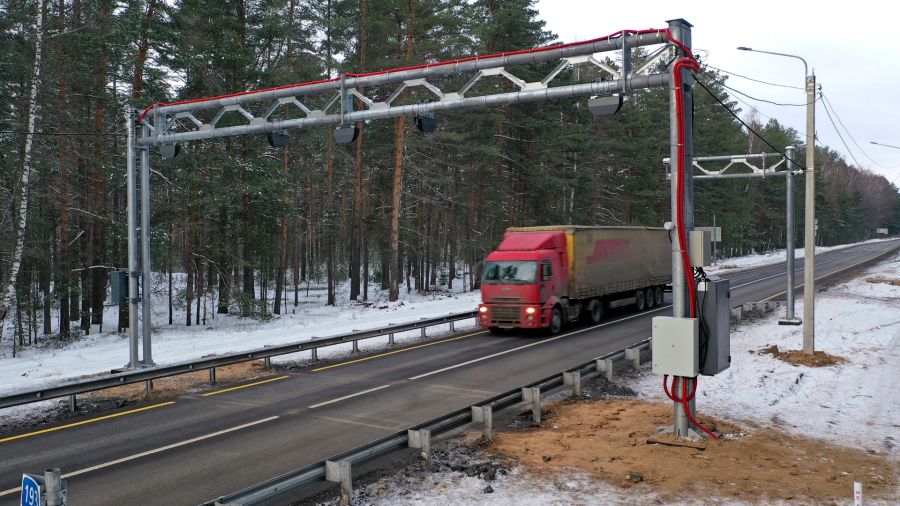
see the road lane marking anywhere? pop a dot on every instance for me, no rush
(344, 398)
(217, 392)
(83, 422)
(542, 341)
(823, 276)
(150, 452)
(396, 351)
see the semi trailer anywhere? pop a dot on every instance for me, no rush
(545, 277)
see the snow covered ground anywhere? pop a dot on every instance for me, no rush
(772, 257)
(35, 367)
(853, 404)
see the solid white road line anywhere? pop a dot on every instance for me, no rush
(537, 343)
(150, 452)
(339, 399)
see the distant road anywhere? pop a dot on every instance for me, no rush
(205, 445)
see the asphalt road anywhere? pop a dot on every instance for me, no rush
(201, 446)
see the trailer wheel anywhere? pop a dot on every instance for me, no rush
(556, 321)
(639, 300)
(658, 295)
(595, 311)
(648, 296)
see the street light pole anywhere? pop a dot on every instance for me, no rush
(809, 261)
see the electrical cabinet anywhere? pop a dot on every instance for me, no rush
(700, 248)
(675, 346)
(118, 286)
(714, 300)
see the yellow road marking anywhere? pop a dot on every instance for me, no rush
(779, 294)
(92, 420)
(150, 452)
(397, 351)
(217, 392)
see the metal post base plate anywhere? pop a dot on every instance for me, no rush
(795, 321)
(670, 429)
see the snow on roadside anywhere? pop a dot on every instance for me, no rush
(854, 404)
(772, 257)
(99, 353)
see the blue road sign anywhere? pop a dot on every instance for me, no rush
(31, 491)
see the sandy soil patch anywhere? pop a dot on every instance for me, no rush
(797, 357)
(616, 441)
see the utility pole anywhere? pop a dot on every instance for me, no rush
(809, 260)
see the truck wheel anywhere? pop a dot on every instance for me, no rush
(556, 321)
(595, 311)
(648, 296)
(658, 295)
(639, 300)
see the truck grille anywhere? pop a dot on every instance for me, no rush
(506, 299)
(505, 314)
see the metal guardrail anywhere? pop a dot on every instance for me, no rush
(278, 489)
(149, 374)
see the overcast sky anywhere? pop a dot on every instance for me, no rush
(852, 47)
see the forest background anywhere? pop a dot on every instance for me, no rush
(247, 225)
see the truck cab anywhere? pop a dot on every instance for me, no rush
(523, 282)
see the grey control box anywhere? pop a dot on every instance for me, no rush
(674, 346)
(714, 300)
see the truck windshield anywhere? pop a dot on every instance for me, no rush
(510, 272)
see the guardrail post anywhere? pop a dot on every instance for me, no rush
(391, 339)
(573, 379)
(55, 488)
(533, 395)
(315, 354)
(633, 354)
(356, 346)
(267, 362)
(485, 416)
(452, 327)
(212, 375)
(340, 472)
(421, 439)
(423, 332)
(149, 386)
(73, 404)
(605, 365)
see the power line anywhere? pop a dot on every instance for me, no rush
(828, 104)
(748, 127)
(806, 104)
(841, 137)
(754, 80)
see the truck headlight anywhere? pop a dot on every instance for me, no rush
(483, 309)
(530, 310)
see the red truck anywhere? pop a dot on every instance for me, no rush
(545, 277)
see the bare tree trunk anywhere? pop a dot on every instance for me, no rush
(399, 135)
(26, 169)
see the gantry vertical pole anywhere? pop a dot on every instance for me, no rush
(132, 240)
(680, 30)
(146, 278)
(790, 239)
(809, 260)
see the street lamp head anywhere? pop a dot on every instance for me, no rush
(742, 48)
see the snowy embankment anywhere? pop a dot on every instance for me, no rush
(724, 265)
(37, 367)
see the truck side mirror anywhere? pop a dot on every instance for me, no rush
(546, 271)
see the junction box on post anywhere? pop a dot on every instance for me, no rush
(675, 346)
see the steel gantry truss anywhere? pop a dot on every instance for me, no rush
(761, 170)
(331, 102)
